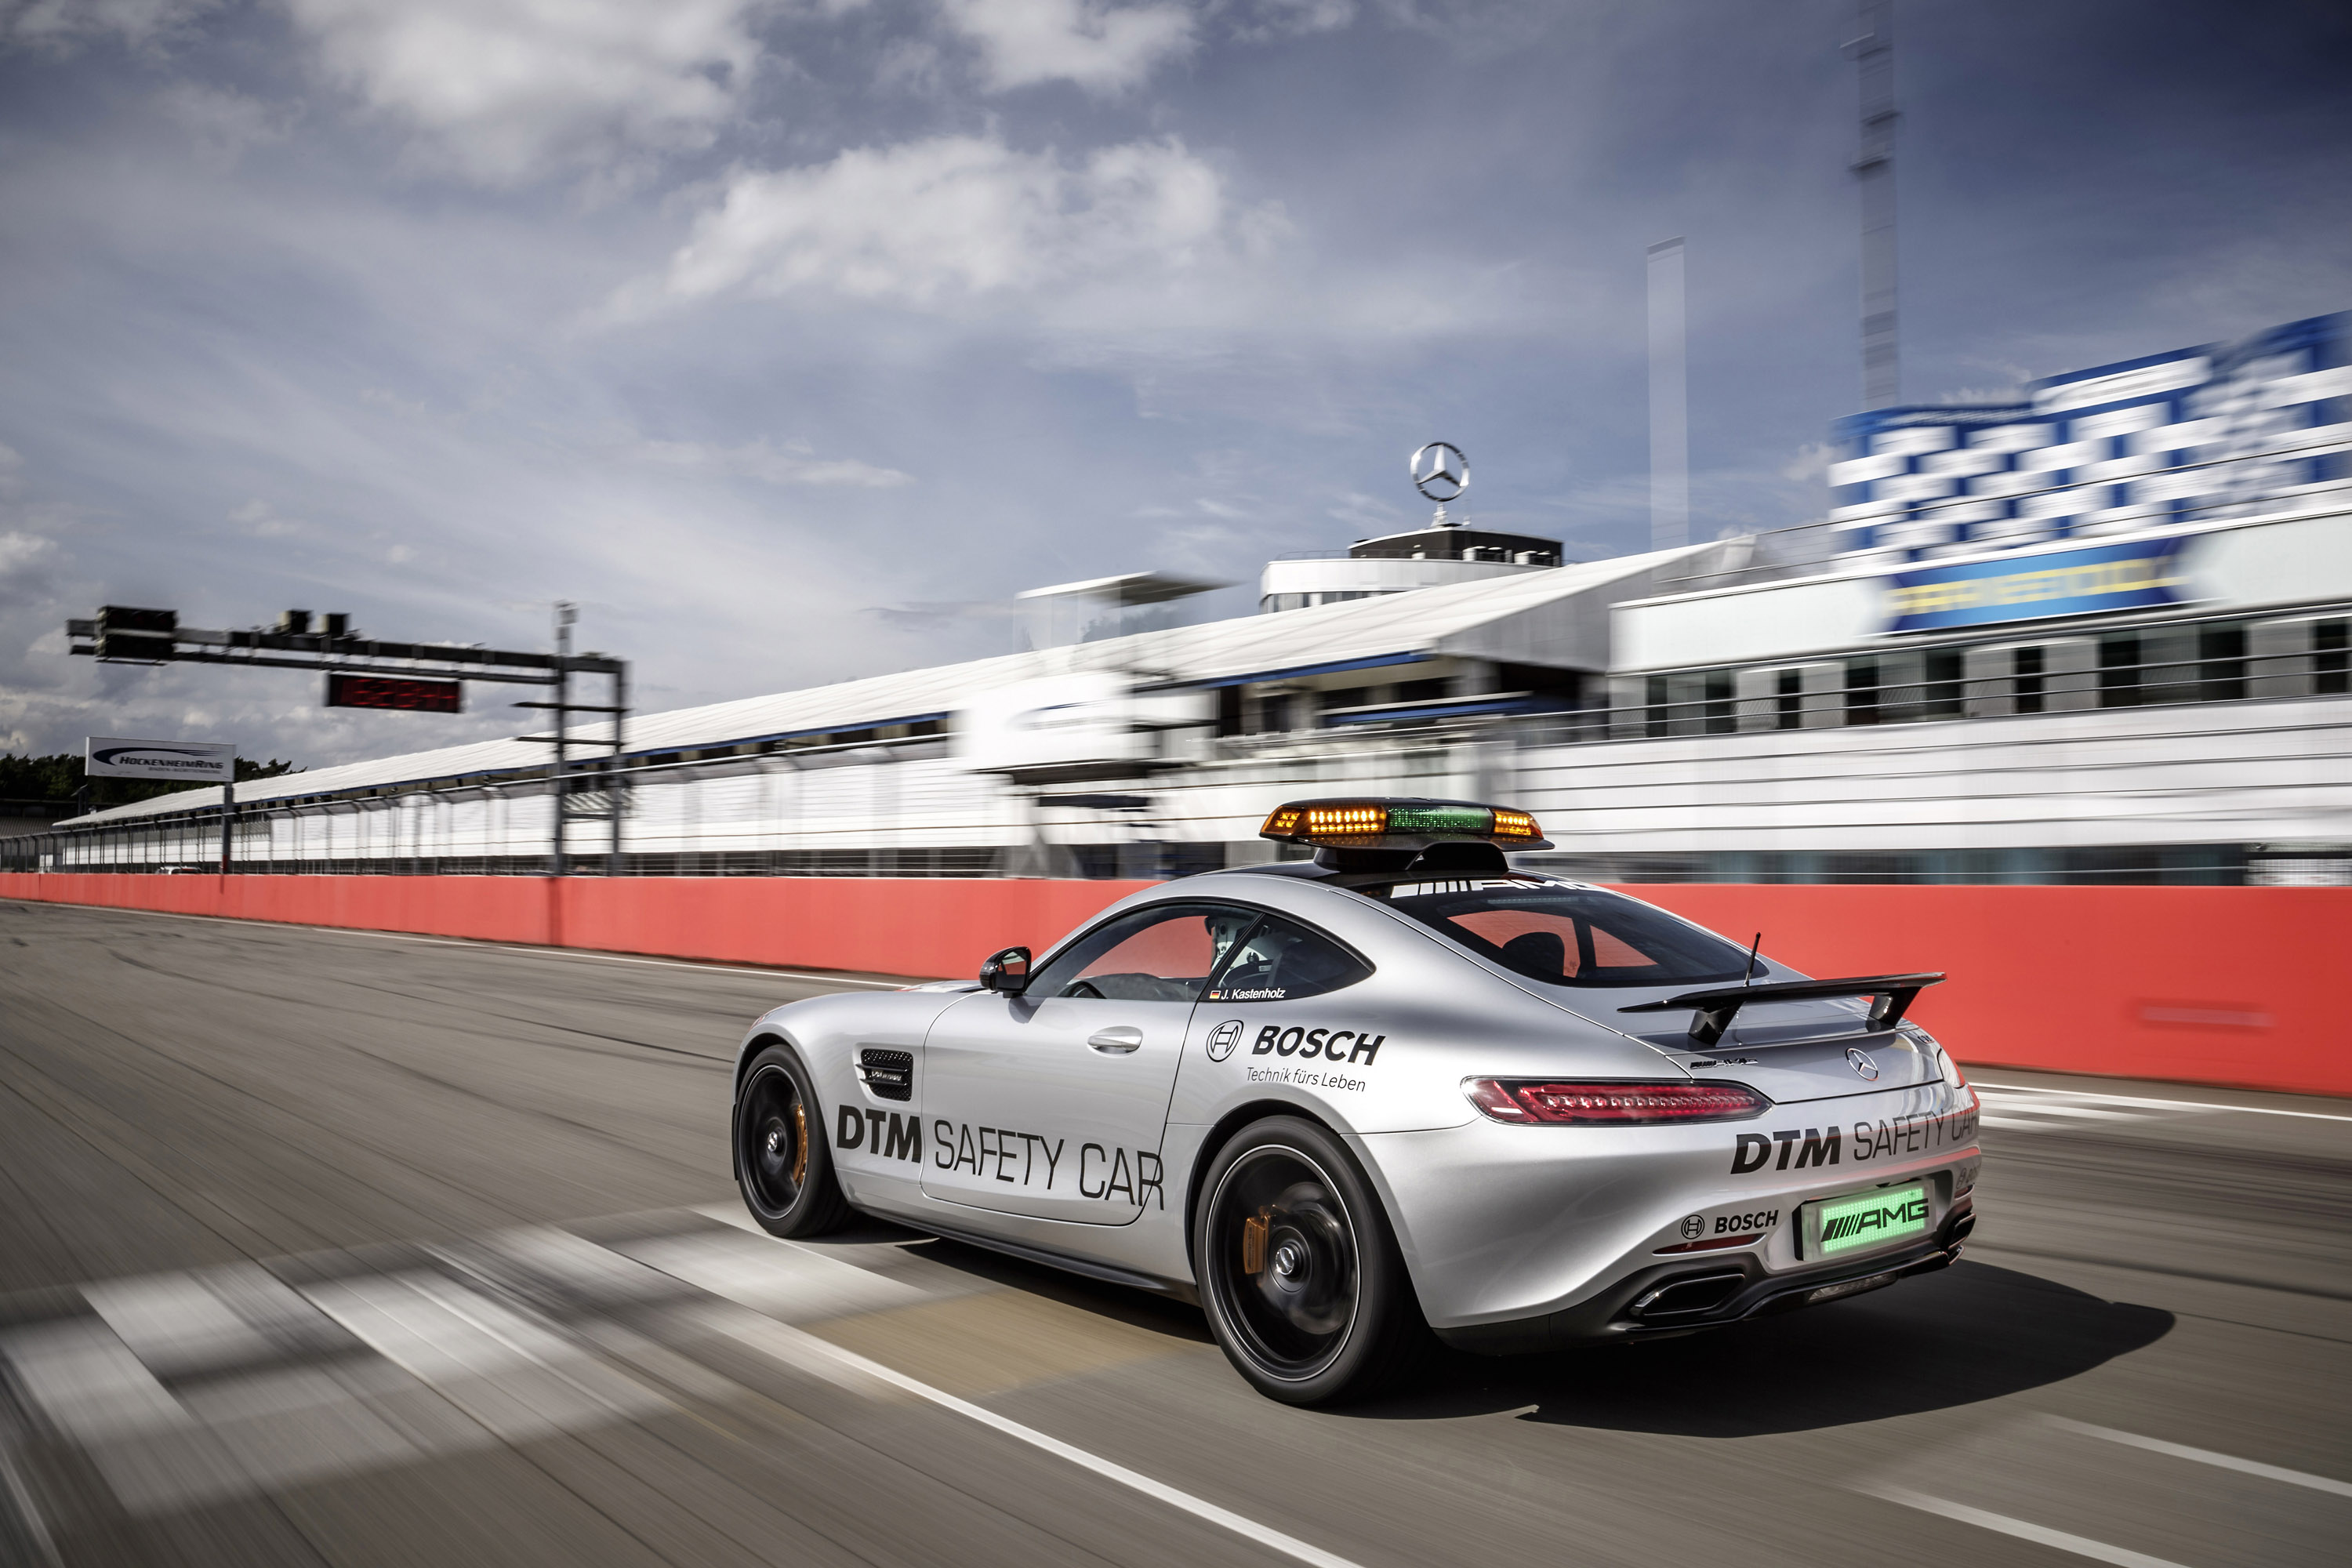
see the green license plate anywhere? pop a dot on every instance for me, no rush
(1860, 1221)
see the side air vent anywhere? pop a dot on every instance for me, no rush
(891, 1075)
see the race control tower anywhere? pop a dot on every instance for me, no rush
(1445, 551)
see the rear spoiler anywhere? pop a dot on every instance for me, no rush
(1716, 1008)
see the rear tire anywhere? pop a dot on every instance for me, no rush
(784, 1165)
(1299, 1272)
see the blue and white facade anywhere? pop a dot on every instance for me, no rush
(2195, 435)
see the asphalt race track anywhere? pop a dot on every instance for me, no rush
(331, 1247)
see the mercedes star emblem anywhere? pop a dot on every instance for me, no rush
(1440, 471)
(1861, 1062)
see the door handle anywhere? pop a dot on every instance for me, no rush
(1118, 1041)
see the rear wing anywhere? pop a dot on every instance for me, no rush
(1716, 1008)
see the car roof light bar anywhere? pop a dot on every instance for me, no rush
(1400, 822)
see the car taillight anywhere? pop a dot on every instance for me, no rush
(1611, 1104)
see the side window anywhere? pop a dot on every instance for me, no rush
(1281, 961)
(1165, 954)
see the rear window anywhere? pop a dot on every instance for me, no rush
(1565, 935)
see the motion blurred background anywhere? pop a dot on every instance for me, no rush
(947, 462)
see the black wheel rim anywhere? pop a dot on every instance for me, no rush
(775, 1140)
(1283, 1262)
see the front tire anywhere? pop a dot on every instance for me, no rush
(784, 1165)
(1299, 1273)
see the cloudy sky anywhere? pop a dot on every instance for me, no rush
(792, 337)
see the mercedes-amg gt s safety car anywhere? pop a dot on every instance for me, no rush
(1400, 1084)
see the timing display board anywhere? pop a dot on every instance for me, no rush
(399, 692)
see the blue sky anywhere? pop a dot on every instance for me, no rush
(792, 337)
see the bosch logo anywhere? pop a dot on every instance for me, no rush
(1224, 1039)
(1693, 1228)
(1860, 1062)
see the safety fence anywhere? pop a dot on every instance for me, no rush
(2212, 985)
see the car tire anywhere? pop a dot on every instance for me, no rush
(784, 1164)
(1299, 1270)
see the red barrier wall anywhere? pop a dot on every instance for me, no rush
(2218, 985)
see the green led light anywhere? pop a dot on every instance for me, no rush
(1869, 1219)
(1471, 819)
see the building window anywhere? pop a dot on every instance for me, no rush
(1229, 709)
(1943, 691)
(1788, 703)
(2220, 663)
(1719, 720)
(2331, 658)
(2119, 670)
(2025, 668)
(1862, 691)
(1655, 720)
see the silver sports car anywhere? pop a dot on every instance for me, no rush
(1398, 1087)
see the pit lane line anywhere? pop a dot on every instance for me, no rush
(1247, 1528)
(2023, 1529)
(2158, 1104)
(807, 1347)
(2082, 1545)
(2206, 1456)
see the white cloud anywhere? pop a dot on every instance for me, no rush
(27, 560)
(1102, 47)
(217, 128)
(934, 222)
(1276, 18)
(261, 520)
(504, 90)
(64, 24)
(796, 464)
(1811, 465)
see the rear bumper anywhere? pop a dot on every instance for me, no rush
(1691, 1293)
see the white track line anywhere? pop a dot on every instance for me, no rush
(468, 941)
(1247, 1528)
(2007, 1106)
(2206, 1456)
(20, 1498)
(2041, 1535)
(2165, 1104)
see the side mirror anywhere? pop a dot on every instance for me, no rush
(1007, 972)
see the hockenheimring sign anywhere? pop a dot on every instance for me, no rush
(193, 761)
